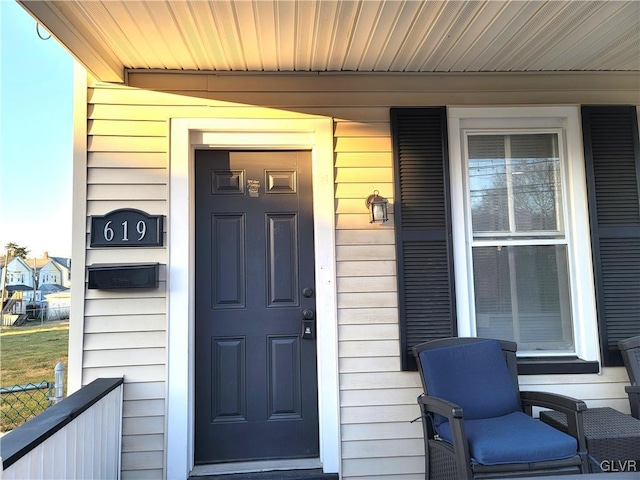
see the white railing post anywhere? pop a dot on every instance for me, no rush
(59, 382)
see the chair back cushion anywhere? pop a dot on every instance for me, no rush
(472, 375)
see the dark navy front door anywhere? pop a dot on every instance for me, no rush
(255, 372)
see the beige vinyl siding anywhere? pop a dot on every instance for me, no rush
(369, 349)
(603, 390)
(125, 330)
(127, 166)
(98, 206)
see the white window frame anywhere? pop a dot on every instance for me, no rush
(526, 119)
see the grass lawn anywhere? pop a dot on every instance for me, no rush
(29, 354)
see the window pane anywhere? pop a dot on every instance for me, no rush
(535, 168)
(514, 183)
(522, 294)
(488, 184)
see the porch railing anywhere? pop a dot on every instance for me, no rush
(78, 438)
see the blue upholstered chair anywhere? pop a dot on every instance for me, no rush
(476, 422)
(630, 350)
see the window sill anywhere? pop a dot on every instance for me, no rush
(557, 365)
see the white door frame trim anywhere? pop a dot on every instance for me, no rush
(187, 134)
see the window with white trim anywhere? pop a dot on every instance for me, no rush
(520, 229)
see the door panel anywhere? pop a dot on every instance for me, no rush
(282, 260)
(228, 267)
(256, 380)
(284, 378)
(228, 374)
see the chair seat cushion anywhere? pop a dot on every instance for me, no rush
(513, 438)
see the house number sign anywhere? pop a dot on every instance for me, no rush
(126, 227)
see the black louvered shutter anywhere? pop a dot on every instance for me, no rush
(423, 227)
(613, 178)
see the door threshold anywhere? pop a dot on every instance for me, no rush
(313, 474)
(255, 467)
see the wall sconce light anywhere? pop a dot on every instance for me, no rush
(377, 206)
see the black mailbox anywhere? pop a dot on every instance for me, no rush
(123, 276)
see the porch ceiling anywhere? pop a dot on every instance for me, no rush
(111, 36)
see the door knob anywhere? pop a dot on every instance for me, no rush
(308, 314)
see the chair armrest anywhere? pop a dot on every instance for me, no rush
(454, 414)
(440, 406)
(633, 391)
(554, 401)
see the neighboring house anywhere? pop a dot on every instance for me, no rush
(19, 273)
(48, 274)
(18, 278)
(504, 136)
(56, 271)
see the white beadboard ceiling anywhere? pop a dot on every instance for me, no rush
(111, 36)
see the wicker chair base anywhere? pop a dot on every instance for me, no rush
(441, 465)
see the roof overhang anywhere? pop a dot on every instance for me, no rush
(110, 37)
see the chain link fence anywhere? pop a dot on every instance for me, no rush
(20, 403)
(23, 402)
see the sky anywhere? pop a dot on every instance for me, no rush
(36, 136)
